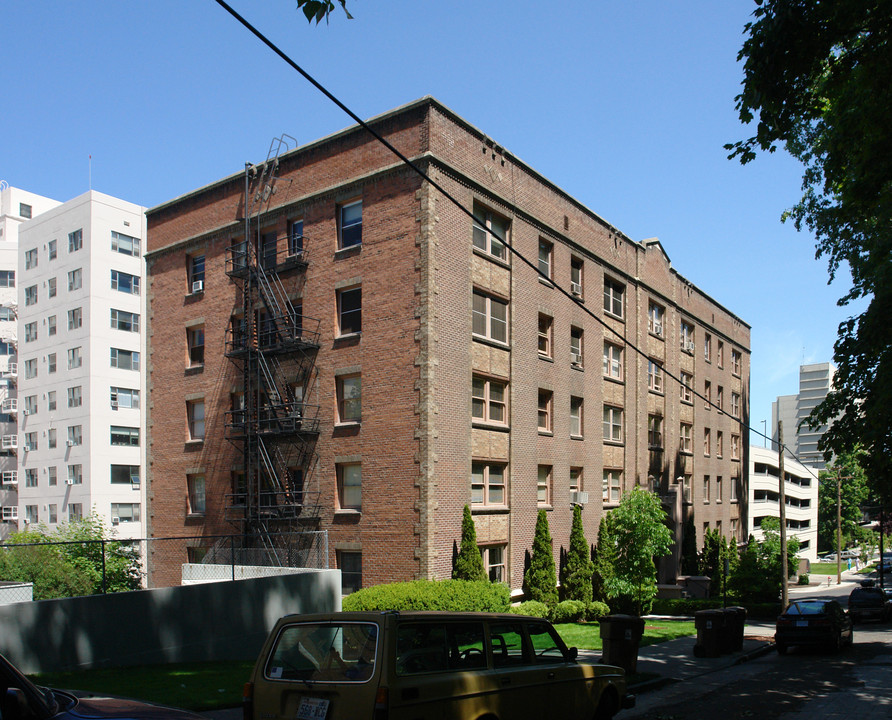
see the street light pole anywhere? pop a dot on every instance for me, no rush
(782, 501)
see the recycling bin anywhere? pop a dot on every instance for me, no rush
(710, 626)
(620, 636)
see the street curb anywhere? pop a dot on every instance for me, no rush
(755, 653)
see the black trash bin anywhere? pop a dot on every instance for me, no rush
(735, 621)
(620, 635)
(710, 626)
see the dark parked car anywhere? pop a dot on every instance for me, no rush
(814, 622)
(23, 700)
(869, 603)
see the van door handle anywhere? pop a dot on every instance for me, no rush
(551, 676)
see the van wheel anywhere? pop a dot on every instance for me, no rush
(607, 707)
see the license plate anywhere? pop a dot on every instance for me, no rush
(802, 623)
(312, 709)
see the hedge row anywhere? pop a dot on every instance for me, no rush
(448, 595)
(688, 606)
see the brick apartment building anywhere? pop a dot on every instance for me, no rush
(371, 360)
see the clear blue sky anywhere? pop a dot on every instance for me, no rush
(624, 105)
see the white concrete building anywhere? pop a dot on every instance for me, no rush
(800, 489)
(16, 207)
(81, 354)
(815, 381)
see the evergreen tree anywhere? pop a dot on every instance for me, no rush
(689, 560)
(469, 563)
(604, 558)
(577, 582)
(712, 560)
(541, 580)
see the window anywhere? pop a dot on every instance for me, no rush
(31, 295)
(75, 358)
(490, 233)
(543, 485)
(613, 361)
(576, 277)
(25, 210)
(654, 376)
(51, 325)
(720, 353)
(687, 484)
(51, 287)
(75, 512)
(718, 488)
(75, 474)
(612, 486)
(126, 321)
(613, 297)
(349, 393)
(76, 318)
(7, 313)
(124, 244)
(545, 329)
(707, 442)
(195, 488)
(494, 562)
(350, 564)
(31, 368)
(720, 397)
(655, 432)
(125, 512)
(124, 282)
(31, 405)
(53, 249)
(195, 345)
(194, 274)
(7, 278)
(706, 488)
(350, 224)
(31, 477)
(735, 447)
(488, 400)
(7, 347)
(31, 331)
(488, 483)
(350, 311)
(295, 238)
(124, 398)
(490, 317)
(195, 415)
(735, 362)
(546, 250)
(125, 436)
(31, 441)
(735, 404)
(75, 240)
(269, 250)
(30, 258)
(687, 337)
(719, 443)
(655, 319)
(51, 438)
(685, 440)
(735, 489)
(75, 279)
(576, 347)
(707, 394)
(576, 417)
(576, 479)
(545, 411)
(51, 400)
(75, 435)
(707, 347)
(349, 486)
(31, 515)
(125, 474)
(612, 430)
(124, 359)
(54, 513)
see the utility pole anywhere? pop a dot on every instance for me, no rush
(782, 502)
(838, 527)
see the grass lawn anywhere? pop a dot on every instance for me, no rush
(193, 686)
(587, 636)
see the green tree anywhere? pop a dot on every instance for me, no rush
(319, 10)
(751, 581)
(712, 560)
(577, 579)
(689, 559)
(540, 581)
(854, 492)
(469, 563)
(816, 80)
(771, 550)
(637, 534)
(604, 557)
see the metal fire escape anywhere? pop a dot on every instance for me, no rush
(274, 348)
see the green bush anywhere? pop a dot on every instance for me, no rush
(689, 606)
(534, 608)
(803, 579)
(569, 611)
(596, 610)
(449, 595)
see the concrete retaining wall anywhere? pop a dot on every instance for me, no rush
(210, 621)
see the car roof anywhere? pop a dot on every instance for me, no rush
(365, 616)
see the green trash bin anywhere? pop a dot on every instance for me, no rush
(710, 626)
(620, 636)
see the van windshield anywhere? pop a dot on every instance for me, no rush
(324, 652)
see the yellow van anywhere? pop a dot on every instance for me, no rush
(426, 666)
